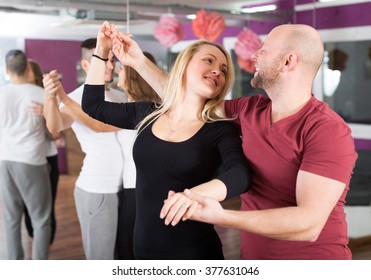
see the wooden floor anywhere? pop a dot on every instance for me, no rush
(67, 244)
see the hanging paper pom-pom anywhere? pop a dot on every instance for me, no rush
(208, 25)
(169, 31)
(246, 64)
(247, 43)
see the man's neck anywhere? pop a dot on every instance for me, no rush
(286, 106)
(17, 80)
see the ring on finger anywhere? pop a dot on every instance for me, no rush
(185, 205)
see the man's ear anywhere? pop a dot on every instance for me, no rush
(290, 62)
(85, 64)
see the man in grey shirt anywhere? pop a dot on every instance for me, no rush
(23, 167)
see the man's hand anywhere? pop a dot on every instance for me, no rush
(209, 210)
(36, 109)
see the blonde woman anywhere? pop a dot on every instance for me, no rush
(181, 143)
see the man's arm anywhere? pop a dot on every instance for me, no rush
(60, 119)
(74, 109)
(316, 197)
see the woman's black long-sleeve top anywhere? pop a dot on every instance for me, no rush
(163, 166)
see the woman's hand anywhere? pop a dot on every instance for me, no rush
(177, 207)
(53, 87)
(125, 49)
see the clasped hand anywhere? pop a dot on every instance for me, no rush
(125, 49)
(177, 207)
(52, 85)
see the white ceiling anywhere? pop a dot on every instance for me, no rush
(77, 19)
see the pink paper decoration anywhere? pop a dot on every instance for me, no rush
(208, 25)
(169, 31)
(247, 65)
(247, 43)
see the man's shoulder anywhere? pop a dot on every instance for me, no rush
(76, 94)
(246, 103)
(114, 90)
(115, 95)
(249, 99)
(324, 111)
(34, 92)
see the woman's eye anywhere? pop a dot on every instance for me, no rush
(208, 60)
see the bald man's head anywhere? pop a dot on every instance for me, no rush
(302, 39)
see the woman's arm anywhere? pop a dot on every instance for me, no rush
(123, 115)
(129, 53)
(235, 170)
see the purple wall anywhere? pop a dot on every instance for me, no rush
(363, 144)
(337, 17)
(350, 15)
(60, 55)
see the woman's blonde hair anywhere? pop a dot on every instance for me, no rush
(213, 109)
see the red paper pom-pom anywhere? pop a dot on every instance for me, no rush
(247, 43)
(247, 65)
(208, 25)
(169, 31)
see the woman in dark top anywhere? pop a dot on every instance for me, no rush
(181, 144)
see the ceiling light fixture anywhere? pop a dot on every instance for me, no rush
(191, 16)
(258, 9)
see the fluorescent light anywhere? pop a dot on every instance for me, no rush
(327, 1)
(259, 9)
(191, 16)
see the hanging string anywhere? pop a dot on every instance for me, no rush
(127, 17)
(294, 17)
(247, 22)
(314, 19)
(208, 6)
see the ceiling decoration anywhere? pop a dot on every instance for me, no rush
(247, 43)
(208, 25)
(169, 30)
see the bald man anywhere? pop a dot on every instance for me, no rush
(300, 151)
(301, 154)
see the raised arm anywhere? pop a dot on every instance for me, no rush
(129, 53)
(56, 121)
(124, 115)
